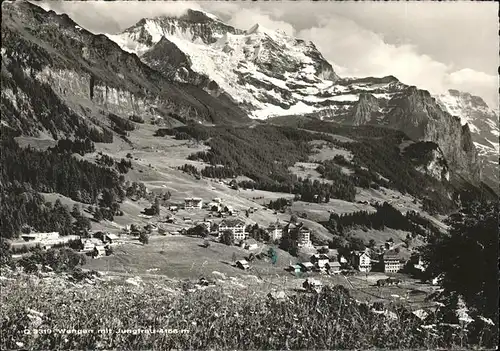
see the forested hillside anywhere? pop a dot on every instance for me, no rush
(271, 149)
(26, 172)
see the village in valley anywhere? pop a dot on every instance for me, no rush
(246, 246)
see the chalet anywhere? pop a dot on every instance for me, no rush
(99, 251)
(389, 244)
(173, 208)
(228, 209)
(361, 261)
(392, 262)
(320, 260)
(40, 236)
(417, 262)
(170, 219)
(236, 226)
(334, 266)
(187, 219)
(306, 266)
(242, 264)
(106, 238)
(275, 231)
(192, 203)
(111, 238)
(90, 244)
(295, 268)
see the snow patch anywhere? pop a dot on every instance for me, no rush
(272, 110)
(346, 97)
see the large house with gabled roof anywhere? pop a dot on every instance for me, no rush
(236, 226)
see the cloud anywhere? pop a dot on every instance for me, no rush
(246, 18)
(478, 83)
(115, 16)
(362, 52)
(434, 50)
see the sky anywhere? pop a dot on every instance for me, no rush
(433, 45)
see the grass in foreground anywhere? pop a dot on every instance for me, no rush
(215, 320)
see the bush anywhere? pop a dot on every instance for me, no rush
(331, 319)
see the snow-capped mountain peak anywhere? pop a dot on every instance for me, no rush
(267, 71)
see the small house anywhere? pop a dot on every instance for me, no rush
(307, 266)
(389, 244)
(90, 244)
(294, 268)
(106, 238)
(320, 260)
(170, 219)
(342, 259)
(214, 206)
(242, 264)
(334, 267)
(99, 251)
(193, 203)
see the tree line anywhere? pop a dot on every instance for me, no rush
(385, 216)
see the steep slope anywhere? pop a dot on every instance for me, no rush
(387, 102)
(268, 72)
(271, 74)
(50, 64)
(483, 124)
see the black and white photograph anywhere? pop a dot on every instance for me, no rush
(249, 175)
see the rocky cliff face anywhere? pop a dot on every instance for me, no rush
(176, 65)
(366, 110)
(482, 122)
(387, 102)
(269, 73)
(428, 158)
(48, 55)
(420, 116)
(201, 68)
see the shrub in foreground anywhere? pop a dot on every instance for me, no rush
(213, 319)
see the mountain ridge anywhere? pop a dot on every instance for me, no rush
(93, 73)
(254, 71)
(90, 74)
